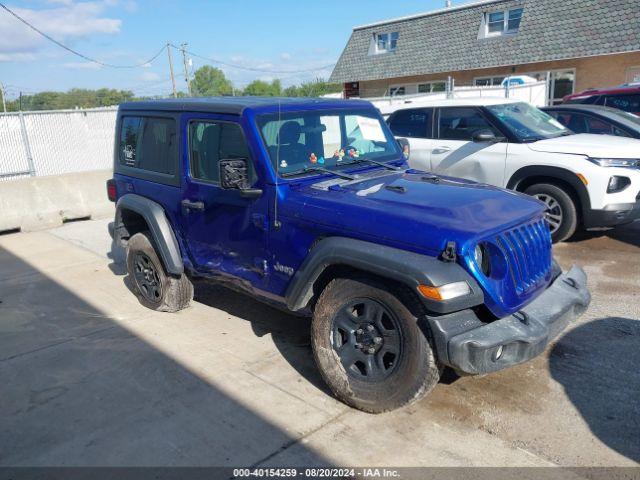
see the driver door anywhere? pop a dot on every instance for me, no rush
(225, 233)
(456, 154)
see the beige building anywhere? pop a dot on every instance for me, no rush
(572, 44)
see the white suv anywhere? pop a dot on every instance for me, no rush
(587, 181)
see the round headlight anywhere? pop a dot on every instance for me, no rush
(481, 257)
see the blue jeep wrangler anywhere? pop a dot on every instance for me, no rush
(309, 204)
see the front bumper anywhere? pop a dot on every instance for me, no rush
(471, 346)
(612, 215)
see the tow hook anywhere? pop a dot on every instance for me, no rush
(449, 253)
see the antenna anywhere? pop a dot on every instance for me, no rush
(276, 222)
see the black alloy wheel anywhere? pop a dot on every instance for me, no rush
(147, 278)
(367, 338)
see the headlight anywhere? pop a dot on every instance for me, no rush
(618, 184)
(481, 257)
(616, 162)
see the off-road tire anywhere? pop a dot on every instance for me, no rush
(175, 293)
(569, 222)
(417, 370)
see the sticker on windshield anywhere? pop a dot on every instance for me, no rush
(371, 129)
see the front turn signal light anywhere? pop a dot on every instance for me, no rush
(582, 178)
(445, 292)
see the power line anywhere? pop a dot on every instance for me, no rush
(61, 45)
(251, 69)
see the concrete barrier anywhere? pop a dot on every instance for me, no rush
(43, 202)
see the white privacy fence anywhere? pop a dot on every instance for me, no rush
(534, 93)
(56, 142)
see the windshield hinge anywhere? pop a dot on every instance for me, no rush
(449, 253)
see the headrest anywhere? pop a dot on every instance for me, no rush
(289, 132)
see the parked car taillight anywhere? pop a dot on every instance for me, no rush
(111, 190)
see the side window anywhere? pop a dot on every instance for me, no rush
(597, 126)
(618, 132)
(627, 103)
(573, 121)
(415, 123)
(462, 124)
(210, 142)
(149, 143)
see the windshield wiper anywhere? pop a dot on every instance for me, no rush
(319, 169)
(375, 162)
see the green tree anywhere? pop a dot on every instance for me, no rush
(210, 82)
(260, 88)
(318, 87)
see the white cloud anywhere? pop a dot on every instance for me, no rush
(17, 57)
(149, 77)
(299, 60)
(82, 66)
(64, 22)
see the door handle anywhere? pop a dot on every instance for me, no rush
(442, 149)
(189, 205)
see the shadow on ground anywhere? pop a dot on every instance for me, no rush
(629, 234)
(591, 378)
(79, 389)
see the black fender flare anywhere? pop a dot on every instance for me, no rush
(159, 227)
(553, 172)
(409, 268)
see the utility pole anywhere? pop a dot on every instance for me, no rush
(4, 101)
(173, 79)
(20, 102)
(183, 48)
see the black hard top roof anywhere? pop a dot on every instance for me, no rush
(234, 105)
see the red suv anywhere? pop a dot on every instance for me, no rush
(625, 97)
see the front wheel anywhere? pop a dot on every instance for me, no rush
(369, 346)
(562, 215)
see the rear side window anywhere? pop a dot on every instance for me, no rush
(414, 123)
(210, 142)
(627, 103)
(573, 121)
(462, 124)
(149, 143)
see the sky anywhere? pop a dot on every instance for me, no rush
(284, 35)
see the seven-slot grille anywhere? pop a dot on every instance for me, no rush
(528, 251)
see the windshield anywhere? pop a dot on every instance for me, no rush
(298, 141)
(527, 122)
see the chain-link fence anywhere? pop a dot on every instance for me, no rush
(56, 142)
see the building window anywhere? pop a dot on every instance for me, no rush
(503, 22)
(386, 42)
(488, 81)
(431, 87)
(397, 91)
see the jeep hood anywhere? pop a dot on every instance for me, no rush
(410, 208)
(598, 146)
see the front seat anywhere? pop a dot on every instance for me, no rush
(291, 149)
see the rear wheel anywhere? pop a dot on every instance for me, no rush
(152, 285)
(369, 346)
(562, 215)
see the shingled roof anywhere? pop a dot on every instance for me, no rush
(448, 40)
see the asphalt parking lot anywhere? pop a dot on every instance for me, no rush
(90, 377)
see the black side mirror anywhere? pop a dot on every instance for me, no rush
(234, 175)
(485, 136)
(405, 147)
